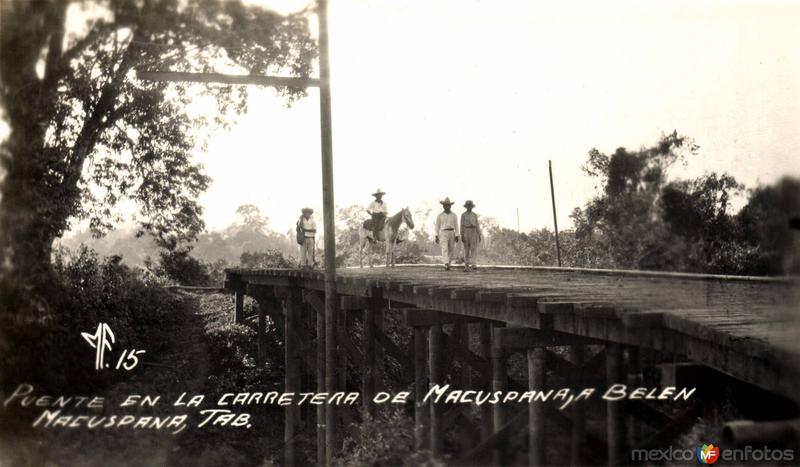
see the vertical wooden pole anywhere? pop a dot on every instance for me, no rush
(435, 365)
(342, 363)
(461, 336)
(238, 311)
(261, 333)
(485, 344)
(368, 372)
(499, 383)
(326, 144)
(320, 370)
(421, 410)
(578, 432)
(635, 380)
(555, 220)
(380, 352)
(615, 417)
(536, 382)
(292, 307)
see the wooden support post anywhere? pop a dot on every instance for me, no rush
(292, 307)
(536, 415)
(499, 383)
(614, 411)
(261, 333)
(342, 363)
(320, 370)
(435, 366)
(238, 311)
(421, 410)
(485, 350)
(578, 430)
(380, 351)
(368, 372)
(635, 377)
(461, 334)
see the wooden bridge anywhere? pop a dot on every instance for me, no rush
(575, 328)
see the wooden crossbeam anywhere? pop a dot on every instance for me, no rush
(221, 78)
(424, 317)
(352, 303)
(525, 338)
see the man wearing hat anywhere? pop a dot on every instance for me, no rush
(470, 235)
(308, 227)
(378, 210)
(447, 231)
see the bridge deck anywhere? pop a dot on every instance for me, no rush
(746, 327)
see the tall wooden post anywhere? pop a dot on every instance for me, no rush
(292, 306)
(578, 432)
(499, 383)
(320, 370)
(614, 412)
(330, 229)
(435, 365)
(485, 346)
(536, 382)
(374, 303)
(261, 333)
(421, 410)
(635, 380)
(380, 352)
(238, 311)
(555, 220)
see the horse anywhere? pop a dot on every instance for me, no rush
(390, 234)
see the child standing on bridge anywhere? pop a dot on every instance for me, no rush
(470, 235)
(306, 230)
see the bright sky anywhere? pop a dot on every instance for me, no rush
(469, 99)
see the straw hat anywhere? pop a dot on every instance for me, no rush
(379, 192)
(446, 202)
(308, 211)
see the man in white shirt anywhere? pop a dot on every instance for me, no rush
(378, 210)
(308, 225)
(447, 231)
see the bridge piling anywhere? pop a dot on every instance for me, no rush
(435, 369)
(537, 372)
(421, 408)
(614, 409)
(484, 347)
(578, 430)
(292, 306)
(499, 383)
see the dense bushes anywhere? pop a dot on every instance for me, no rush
(86, 290)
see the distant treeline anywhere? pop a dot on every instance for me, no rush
(639, 219)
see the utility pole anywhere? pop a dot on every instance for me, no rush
(331, 344)
(555, 221)
(518, 228)
(326, 143)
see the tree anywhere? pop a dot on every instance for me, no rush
(622, 222)
(765, 224)
(86, 134)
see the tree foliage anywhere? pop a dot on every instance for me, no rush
(86, 134)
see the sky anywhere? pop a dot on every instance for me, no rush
(470, 99)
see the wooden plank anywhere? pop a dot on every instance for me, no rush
(428, 317)
(352, 303)
(525, 338)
